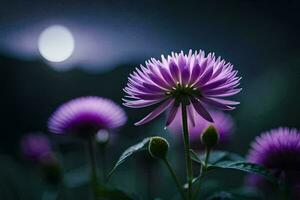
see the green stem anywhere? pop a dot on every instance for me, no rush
(93, 163)
(188, 160)
(175, 178)
(202, 170)
(198, 186)
(103, 160)
(207, 152)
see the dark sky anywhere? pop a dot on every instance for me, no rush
(109, 33)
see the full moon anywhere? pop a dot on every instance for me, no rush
(56, 43)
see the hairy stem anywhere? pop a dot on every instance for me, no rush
(188, 160)
(93, 163)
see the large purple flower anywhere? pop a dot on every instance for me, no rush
(279, 151)
(36, 147)
(86, 115)
(192, 80)
(223, 123)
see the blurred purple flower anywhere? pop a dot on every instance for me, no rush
(195, 79)
(86, 115)
(279, 151)
(223, 123)
(36, 147)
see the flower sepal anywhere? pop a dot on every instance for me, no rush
(158, 147)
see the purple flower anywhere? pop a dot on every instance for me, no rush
(193, 79)
(36, 147)
(86, 115)
(223, 123)
(279, 151)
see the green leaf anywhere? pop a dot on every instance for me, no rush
(194, 156)
(215, 156)
(244, 166)
(111, 194)
(128, 152)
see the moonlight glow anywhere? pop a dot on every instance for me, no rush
(56, 43)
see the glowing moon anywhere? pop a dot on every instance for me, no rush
(56, 43)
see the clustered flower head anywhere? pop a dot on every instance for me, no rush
(36, 147)
(191, 80)
(222, 122)
(86, 116)
(279, 151)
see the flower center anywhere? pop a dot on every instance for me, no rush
(182, 93)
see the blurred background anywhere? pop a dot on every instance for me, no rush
(101, 42)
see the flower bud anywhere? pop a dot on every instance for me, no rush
(158, 147)
(210, 136)
(102, 137)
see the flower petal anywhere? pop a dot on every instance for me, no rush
(201, 110)
(172, 115)
(214, 83)
(150, 96)
(190, 111)
(185, 75)
(158, 81)
(226, 102)
(196, 70)
(205, 76)
(140, 103)
(181, 61)
(157, 111)
(219, 104)
(227, 94)
(153, 87)
(174, 71)
(166, 75)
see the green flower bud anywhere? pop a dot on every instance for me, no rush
(158, 147)
(210, 136)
